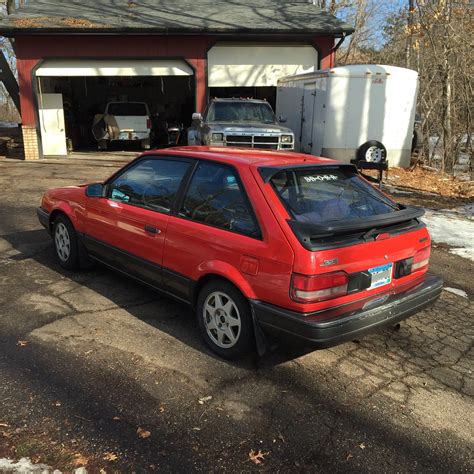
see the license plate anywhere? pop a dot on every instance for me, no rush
(381, 275)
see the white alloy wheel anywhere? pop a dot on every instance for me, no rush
(374, 154)
(221, 319)
(63, 242)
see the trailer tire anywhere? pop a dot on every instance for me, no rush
(371, 152)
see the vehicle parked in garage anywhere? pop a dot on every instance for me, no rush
(123, 121)
(247, 123)
(258, 243)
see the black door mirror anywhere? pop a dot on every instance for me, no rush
(282, 119)
(95, 190)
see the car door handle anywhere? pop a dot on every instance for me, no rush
(152, 229)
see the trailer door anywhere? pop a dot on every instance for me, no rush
(307, 117)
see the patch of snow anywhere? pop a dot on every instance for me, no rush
(455, 291)
(23, 466)
(454, 227)
(399, 191)
(4, 124)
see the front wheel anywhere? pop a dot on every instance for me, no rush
(65, 243)
(225, 320)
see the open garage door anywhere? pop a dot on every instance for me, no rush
(166, 86)
(237, 70)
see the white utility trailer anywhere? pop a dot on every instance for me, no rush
(361, 112)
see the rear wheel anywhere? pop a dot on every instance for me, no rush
(225, 319)
(65, 243)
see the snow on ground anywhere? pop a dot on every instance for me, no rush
(454, 227)
(455, 291)
(4, 124)
(24, 465)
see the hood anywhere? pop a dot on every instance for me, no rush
(248, 127)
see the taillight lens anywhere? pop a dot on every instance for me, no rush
(148, 123)
(421, 260)
(314, 288)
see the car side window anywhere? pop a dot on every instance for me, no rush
(151, 183)
(216, 197)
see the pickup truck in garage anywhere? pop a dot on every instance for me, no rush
(245, 123)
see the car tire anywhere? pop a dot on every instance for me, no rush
(225, 320)
(66, 243)
(372, 152)
(102, 145)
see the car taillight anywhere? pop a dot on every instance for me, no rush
(421, 260)
(314, 288)
(148, 123)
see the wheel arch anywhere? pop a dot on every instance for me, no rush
(224, 272)
(55, 213)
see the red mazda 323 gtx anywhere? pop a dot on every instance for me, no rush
(257, 242)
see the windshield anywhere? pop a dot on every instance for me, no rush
(127, 109)
(240, 112)
(322, 195)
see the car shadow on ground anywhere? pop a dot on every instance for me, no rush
(103, 400)
(178, 320)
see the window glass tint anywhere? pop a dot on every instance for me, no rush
(126, 109)
(318, 196)
(240, 112)
(216, 198)
(150, 183)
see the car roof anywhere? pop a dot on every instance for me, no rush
(242, 156)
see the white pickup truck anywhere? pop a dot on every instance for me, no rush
(123, 121)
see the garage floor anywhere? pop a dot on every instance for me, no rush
(96, 369)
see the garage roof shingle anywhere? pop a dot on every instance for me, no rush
(286, 17)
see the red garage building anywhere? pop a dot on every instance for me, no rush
(74, 56)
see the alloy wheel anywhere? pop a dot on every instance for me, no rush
(222, 319)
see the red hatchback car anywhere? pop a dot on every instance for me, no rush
(257, 242)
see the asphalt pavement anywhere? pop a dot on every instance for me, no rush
(96, 370)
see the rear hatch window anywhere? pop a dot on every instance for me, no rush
(317, 196)
(129, 109)
(334, 204)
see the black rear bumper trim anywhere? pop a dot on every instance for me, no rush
(328, 328)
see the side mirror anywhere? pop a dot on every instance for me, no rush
(95, 190)
(197, 116)
(282, 119)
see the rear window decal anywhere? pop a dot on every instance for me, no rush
(320, 177)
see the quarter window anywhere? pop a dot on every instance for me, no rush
(215, 197)
(151, 183)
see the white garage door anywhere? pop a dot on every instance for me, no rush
(258, 65)
(100, 67)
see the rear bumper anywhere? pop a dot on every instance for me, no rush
(329, 327)
(43, 217)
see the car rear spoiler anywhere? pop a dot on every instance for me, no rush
(307, 231)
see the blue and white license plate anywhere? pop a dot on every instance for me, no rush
(381, 275)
